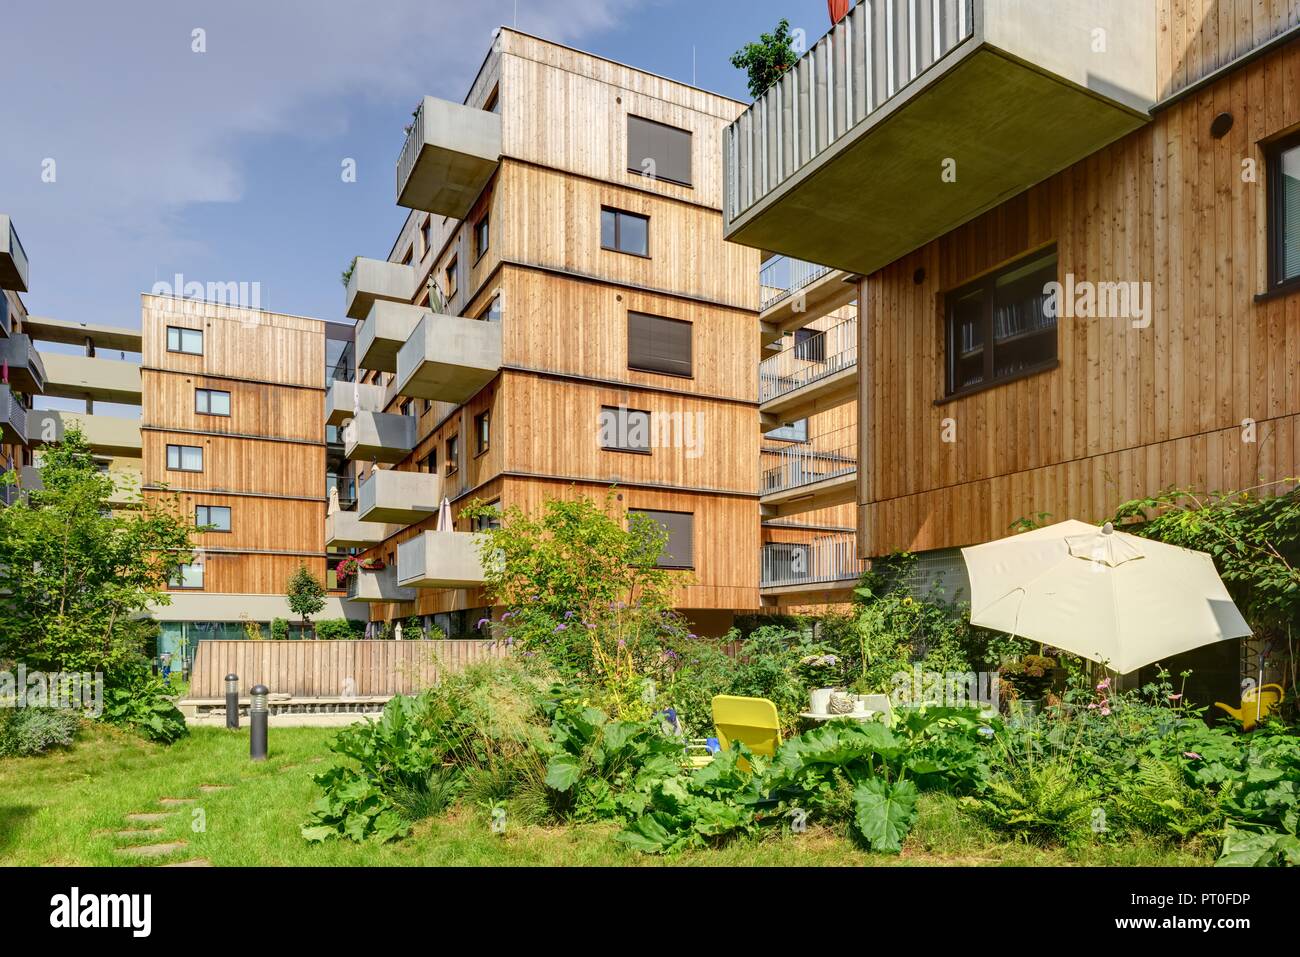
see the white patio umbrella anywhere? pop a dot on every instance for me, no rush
(1101, 594)
(444, 522)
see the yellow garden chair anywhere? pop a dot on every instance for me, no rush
(1256, 705)
(751, 721)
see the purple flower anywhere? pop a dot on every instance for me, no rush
(509, 614)
(622, 643)
(561, 627)
(569, 614)
(509, 641)
(483, 621)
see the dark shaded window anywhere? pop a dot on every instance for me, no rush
(482, 236)
(658, 151)
(624, 430)
(624, 232)
(810, 345)
(492, 519)
(1284, 211)
(658, 344)
(450, 275)
(493, 311)
(679, 550)
(1002, 325)
(453, 454)
(482, 432)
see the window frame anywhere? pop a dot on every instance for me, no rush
(451, 451)
(618, 231)
(198, 390)
(451, 276)
(676, 375)
(986, 283)
(216, 529)
(180, 457)
(178, 583)
(625, 412)
(482, 235)
(659, 563)
(690, 139)
(180, 340)
(1276, 203)
(482, 432)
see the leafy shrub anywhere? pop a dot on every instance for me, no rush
(31, 731)
(143, 703)
(1041, 802)
(339, 629)
(279, 629)
(1158, 800)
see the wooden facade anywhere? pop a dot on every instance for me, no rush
(265, 460)
(1206, 395)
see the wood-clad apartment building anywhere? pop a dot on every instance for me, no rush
(1144, 156)
(559, 316)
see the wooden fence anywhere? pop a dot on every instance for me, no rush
(330, 669)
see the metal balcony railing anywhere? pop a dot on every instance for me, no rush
(833, 558)
(809, 358)
(782, 276)
(821, 457)
(852, 71)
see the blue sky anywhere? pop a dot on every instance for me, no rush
(224, 166)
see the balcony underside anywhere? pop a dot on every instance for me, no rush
(817, 396)
(105, 434)
(344, 400)
(448, 358)
(819, 298)
(399, 498)
(83, 377)
(347, 530)
(378, 586)
(877, 193)
(383, 332)
(67, 332)
(448, 158)
(440, 560)
(376, 280)
(379, 437)
(811, 593)
(837, 490)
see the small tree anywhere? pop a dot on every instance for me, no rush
(766, 60)
(76, 577)
(305, 593)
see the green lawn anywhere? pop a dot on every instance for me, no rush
(64, 808)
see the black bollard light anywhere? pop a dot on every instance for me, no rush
(257, 718)
(232, 702)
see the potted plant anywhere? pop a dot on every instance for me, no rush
(345, 570)
(820, 673)
(1030, 677)
(372, 565)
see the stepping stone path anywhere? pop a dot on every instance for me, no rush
(157, 817)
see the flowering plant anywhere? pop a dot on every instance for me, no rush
(345, 570)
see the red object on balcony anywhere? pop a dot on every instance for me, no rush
(839, 9)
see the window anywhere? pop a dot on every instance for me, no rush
(794, 432)
(1001, 325)
(482, 236)
(426, 235)
(450, 274)
(493, 311)
(410, 254)
(658, 151)
(453, 454)
(481, 523)
(482, 432)
(657, 344)
(218, 516)
(810, 345)
(493, 102)
(679, 550)
(407, 409)
(624, 430)
(624, 232)
(189, 341)
(1284, 211)
(185, 458)
(187, 576)
(211, 402)
(431, 461)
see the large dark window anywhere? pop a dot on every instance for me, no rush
(624, 232)
(1284, 212)
(658, 151)
(658, 344)
(679, 550)
(1002, 325)
(624, 430)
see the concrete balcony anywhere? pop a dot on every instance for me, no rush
(440, 560)
(84, 377)
(6, 318)
(910, 117)
(384, 331)
(380, 586)
(344, 400)
(46, 329)
(793, 293)
(450, 153)
(821, 472)
(347, 530)
(448, 358)
(824, 570)
(13, 258)
(375, 280)
(26, 369)
(402, 498)
(811, 375)
(105, 434)
(13, 418)
(379, 437)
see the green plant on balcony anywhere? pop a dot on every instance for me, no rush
(372, 565)
(765, 61)
(346, 275)
(345, 570)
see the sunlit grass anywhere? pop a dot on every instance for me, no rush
(63, 808)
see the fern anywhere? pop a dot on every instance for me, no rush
(1158, 800)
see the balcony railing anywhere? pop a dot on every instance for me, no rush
(833, 558)
(809, 359)
(782, 276)
(798, 464)
(13, 418)
(449, 155)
